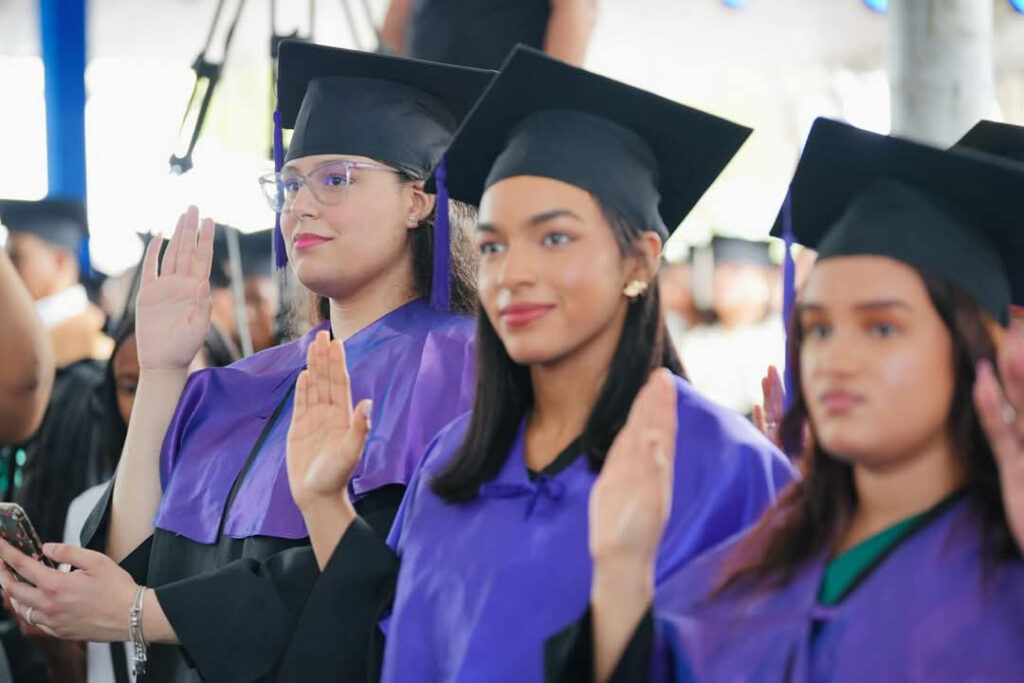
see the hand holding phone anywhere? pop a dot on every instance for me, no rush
(17, 529)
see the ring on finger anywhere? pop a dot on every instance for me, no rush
(28, 616)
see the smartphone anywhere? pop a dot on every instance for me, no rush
(16, 529)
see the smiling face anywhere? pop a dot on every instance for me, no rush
(875, 360)
(551, 270)
(338, 249)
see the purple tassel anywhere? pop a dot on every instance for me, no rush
(441, 286)
(788, 292)
(280, 255)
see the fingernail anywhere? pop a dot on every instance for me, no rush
(369, 414)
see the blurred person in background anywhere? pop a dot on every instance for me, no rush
(68, 660)
(726, 359)
(26, 375)
(44, 245)
(677, 301)
(481, 33)
(260, 291)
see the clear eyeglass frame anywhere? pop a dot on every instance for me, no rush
(328, 182)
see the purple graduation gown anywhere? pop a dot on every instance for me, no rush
(928, 612)
(235, 598)
(415, 363)
(483, 584)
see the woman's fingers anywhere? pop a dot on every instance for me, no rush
(203, 260)
(186, 254)
(169, 263)
(995, 414)
(151, 259)
(339, 383)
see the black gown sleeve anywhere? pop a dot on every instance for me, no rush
(235, 623)
(569, 654)
(337, 638)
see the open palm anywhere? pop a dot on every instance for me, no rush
(326, 437)
(632, 497)
(172, 309)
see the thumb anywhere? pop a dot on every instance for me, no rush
(362, 422)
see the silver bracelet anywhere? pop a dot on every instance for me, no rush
(135, 635)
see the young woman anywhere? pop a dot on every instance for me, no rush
(227, 553)
(898, 555)
(583, 177)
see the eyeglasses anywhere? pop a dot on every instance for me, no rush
(328, 183)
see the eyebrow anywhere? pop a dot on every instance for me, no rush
(812, 307)
(534, 221)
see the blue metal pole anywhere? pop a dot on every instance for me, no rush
(62, 23)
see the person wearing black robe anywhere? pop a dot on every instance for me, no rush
(226, 560)
(481, 33)
(76, 446)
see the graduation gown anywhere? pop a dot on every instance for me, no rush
(478, 33)
(229, 557)
(482, 584)
(930, 609)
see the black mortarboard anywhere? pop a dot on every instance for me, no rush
(734, 249)
(257, 256)
(60, 222)
(952, 213)
(255, 249)
(648, 157)
(399, 111)
(1002, 139)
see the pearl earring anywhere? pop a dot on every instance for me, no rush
(634, 289)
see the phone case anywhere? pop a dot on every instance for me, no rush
(16, 529)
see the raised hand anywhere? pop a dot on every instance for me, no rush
(1001, 411)
(326, 437)
(172, 309)
(768, 417)
(632, 497)
(629, 507)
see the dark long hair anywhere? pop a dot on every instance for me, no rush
(463, 260)
(815, 513)
(504, 393)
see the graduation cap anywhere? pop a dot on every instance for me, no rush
(1002, 139)
(953, 213)
(257, 253)
(59, 222)
(402, 112)
(736, 250)
(648, 157)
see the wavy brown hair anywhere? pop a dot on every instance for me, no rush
(813, 514)
(462, 218)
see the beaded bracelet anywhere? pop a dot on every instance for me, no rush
(138, 640)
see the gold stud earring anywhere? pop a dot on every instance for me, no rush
(634, 289)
